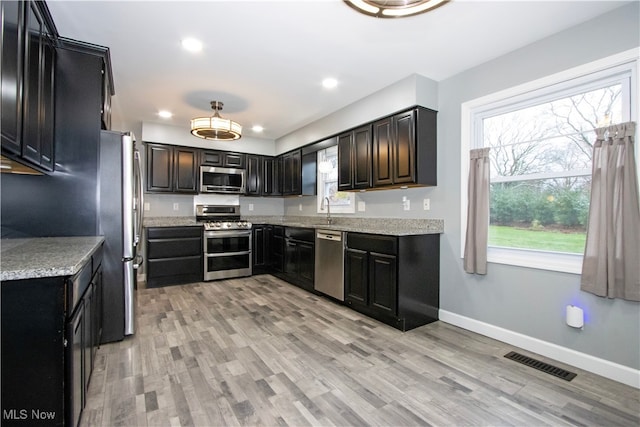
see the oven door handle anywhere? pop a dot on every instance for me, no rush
(223, 254)
(209, 234)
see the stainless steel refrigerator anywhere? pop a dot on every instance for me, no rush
(120, 207)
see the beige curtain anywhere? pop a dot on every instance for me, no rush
(475, 248)
(611, 265)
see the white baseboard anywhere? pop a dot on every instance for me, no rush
(605, 368)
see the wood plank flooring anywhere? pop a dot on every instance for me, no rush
(260, 352)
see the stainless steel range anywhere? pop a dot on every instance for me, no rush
(227, 242)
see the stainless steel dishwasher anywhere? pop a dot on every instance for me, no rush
(329, 266)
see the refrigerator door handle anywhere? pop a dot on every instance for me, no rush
(138, 197)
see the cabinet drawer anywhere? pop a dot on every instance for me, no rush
(304, 234)
(173, 232)
(373, 243)
(172, 248)
(174, 266)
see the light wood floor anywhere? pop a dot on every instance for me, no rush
(260, 352)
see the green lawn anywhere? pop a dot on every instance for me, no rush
(555, 241)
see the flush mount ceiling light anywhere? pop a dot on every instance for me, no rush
(215, 127)
(394, 8)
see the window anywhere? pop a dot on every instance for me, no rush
(541, 147)
(339, 201)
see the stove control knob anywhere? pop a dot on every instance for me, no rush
(218, 224)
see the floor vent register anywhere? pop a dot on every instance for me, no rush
(541, 366)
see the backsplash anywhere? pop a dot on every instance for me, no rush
(377, 204)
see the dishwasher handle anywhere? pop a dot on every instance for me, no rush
(329, 235)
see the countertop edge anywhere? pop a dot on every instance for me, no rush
(14, 256)
(398, 227)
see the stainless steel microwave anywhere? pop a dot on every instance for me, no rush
(214, 179)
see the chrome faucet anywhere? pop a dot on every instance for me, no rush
(328, 209)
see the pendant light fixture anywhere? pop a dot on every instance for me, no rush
(215, 127)
(394, 8)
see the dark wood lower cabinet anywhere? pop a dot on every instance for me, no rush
(174, 255)
(50, 331)
(394, 279)
(291, 255)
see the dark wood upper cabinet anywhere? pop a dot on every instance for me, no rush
(12, 65)
(394, 146)
(271, 176)
(185, 163)
(226, 159)
(159, 168)
(171, 169)
(28, 71)
(382, 152)
(404, 145)
(404, 149)
(309, 174)
(354, 159)
(254, 175)
(292, 173)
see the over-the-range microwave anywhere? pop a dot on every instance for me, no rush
(215, 179)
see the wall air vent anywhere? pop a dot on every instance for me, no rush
(541, 366)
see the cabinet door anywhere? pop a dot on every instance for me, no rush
(306, 262)
(186, 170)
(356, 276)
(33, 84)
(291, 177)
(254, 175)
(345, 170)
(404, 159)
(75, 389)
(383, 283)
(382, 153)
(159, 168)
(290, 257)
(234, 160)
(87, 340)
(309, 174)
(47, 98)
(97, 312)
(276, 249)
(362, 157)
(11, 72)
(212, 158)
(270, 176)
(258, 249)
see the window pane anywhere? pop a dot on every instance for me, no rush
(549, 214)
(551, 137)
(566, 116)
(561, 154)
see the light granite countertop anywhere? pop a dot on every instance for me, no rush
(39, 257)
(387, 226)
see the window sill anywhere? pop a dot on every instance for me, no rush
(553, 261)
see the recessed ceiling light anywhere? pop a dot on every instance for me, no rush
(257, 128)
(329, 83)
(192, 45)
(165, 114)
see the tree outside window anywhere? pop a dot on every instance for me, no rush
(541, 165)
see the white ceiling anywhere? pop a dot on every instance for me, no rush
(265, 59)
